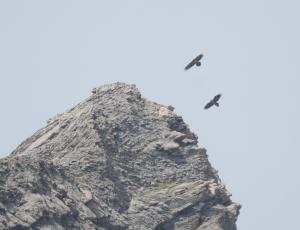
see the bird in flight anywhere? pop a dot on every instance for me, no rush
(214, 101)
(195, 61)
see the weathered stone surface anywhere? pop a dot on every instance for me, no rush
(114, 161)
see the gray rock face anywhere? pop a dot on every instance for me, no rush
(114, 161)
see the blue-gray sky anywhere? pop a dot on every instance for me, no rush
(52, 53)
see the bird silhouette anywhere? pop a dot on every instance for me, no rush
(214, 101)
(195, 61)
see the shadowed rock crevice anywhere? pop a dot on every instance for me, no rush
(114, 161)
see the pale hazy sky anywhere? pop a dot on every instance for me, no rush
(52, 53)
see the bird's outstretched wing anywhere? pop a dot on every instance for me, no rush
(209, 104)
(190, 65)
(198, 58)
(217, 97)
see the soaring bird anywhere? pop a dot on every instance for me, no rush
(214, 101)
(196, 61)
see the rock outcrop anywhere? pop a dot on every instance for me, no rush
(114, 161)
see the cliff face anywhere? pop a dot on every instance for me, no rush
(114, 161)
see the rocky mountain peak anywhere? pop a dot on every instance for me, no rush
(114, 161)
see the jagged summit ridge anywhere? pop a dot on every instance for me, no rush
(114, 161)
